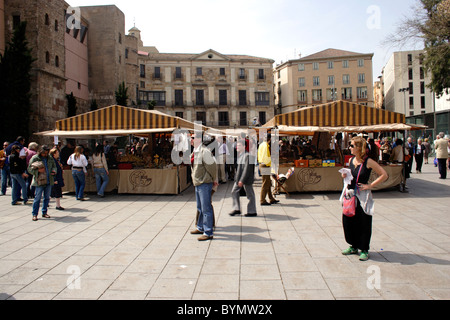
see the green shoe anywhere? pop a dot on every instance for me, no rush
(349, 251)
(364, 256)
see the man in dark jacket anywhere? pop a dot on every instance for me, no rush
(244, 178)
(20, 141)
(18, 167)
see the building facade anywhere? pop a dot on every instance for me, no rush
(77, 59)
(106, 51)
(217, 89)
(323, 77)
(46, 36)
(405, 83)
(85, 51)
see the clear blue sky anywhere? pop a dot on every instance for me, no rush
(276, 29)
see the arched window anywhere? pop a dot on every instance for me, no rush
(57, 61)
(47, 20)
(47, 57)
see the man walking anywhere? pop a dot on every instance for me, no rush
(441, 145)
(265, 162)
(244, 178)
(204, 172)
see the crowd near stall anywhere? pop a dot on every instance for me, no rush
(142, 164)
(314, 144)
(311, 144)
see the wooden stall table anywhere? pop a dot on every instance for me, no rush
(153, 181)
(69, 183)
(329, 179)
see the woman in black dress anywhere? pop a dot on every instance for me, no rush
(358, 229)
(59, 179)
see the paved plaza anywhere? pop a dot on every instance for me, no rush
(139, 247)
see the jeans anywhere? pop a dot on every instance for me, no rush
(101, 180)
(18, 182)
(80, 183)
(37, 199)
(6, 178)
(206, 216)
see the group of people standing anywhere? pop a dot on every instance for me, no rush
(418, 152)
(37, 172)
(34, 171)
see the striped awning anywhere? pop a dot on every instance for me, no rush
(115, 118)
(337, 114)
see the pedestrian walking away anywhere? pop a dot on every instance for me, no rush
(427, 150)
(101, 173)
(204, 177)
(441, 146)
(244, 178)
(358, 229)
(79, 163)
(43, 168)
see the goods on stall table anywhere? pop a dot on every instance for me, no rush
(301, 163)
(328, 163)
(129, 161)
(315, 163)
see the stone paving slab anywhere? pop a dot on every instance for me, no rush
(139, 247)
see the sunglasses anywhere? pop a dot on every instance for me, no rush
(351, 146)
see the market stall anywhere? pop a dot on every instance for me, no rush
(145, 167)
(317, 164)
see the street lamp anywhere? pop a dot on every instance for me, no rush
(403, 183)
(404, 98)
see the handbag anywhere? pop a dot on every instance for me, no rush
(349, 200)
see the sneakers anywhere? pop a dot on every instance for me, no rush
(364, 256)
(349, 251)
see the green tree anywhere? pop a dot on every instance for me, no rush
(429, 26)
(71, 105)
(122, 95)
(15, 85)
(436, 31)
(151, 105)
